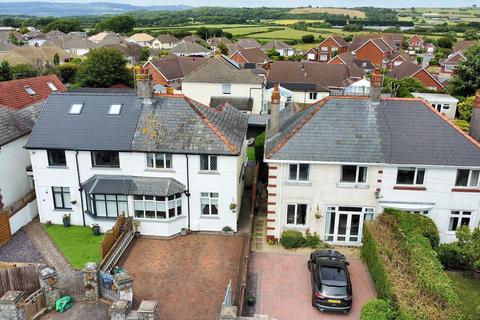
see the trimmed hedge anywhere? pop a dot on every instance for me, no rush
(377, 309)
(292, 239)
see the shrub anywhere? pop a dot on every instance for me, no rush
(451, 256)
(313, 241)
(478, 311)
(377, 309)
(292, 239)
(463, 253)
(476, 265)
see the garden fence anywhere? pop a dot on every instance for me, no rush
(24, 278)
(34, 303)
(71, 284)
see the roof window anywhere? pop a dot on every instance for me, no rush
(52, 86)
(115, 109)
(29, 90)
(76, 108)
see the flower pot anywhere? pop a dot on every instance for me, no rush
(251, 301)
(66, 223)
(183, 232)
(96, 230)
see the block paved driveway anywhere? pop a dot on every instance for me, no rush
(284, 292)
(188, 276)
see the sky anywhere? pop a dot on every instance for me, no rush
(288, 3)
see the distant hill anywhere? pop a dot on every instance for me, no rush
(77, 9)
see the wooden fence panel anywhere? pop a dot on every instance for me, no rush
(111, 236)
(5, 232)
(71, 284)
(34, 303)
(21, 278)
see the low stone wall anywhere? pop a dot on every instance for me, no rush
(230, 313)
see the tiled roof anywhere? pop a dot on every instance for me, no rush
(174, 67)
(222, 70)
(352, 130)
(215, 41)
(167, 38)
(404, 70)
(454, 58)
(241, 103)
(463, 45)
(249, 43)
(277, 45)
(254, 55)
(17, 123)
(140, 37)
(13, 93)
(186, 47)
(33, 55)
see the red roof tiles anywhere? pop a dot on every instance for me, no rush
(13, 94)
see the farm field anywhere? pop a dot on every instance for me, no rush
(285, 34)
(350, 12)
(288, 22)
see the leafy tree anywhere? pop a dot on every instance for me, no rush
(64, 25)
(5, 71)
(471, 34)
(222, 48)
(119, 24)
(68, 72)
(14, 40)
(24, 71)
(103, 68)
(308, 38)
(467, 74)
(10, 22)
(445, 42)
(56, 59)
(402, 88)
(144, 54)
(464, 109)
(23, 30)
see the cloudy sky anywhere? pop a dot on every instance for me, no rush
(288, 3)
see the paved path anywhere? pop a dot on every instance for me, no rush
(49, 251)
(284, 288)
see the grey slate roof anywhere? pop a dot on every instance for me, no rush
(17, 123)
(189, 48)
(241, 103)
(128, 185)
(352, 130)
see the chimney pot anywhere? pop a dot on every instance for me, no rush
(144, 84)
(275, 111)
(376, 82)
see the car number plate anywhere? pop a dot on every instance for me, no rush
(333, 301)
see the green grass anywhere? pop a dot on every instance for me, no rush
(78, 244)
(251, 152)
(468, 290)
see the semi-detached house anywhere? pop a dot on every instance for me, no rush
(342, 160)
(167, 161)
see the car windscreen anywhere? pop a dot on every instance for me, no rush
(333, 274)
(333, 291)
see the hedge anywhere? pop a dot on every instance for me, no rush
(377, 309)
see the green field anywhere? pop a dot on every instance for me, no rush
(350, 12)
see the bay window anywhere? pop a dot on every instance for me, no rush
(296, 214)
(411, 176)
(155, 207)
(108, 205)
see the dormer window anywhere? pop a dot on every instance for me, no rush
(76, 108)
(52, 86)
(29, 90)
(115, 109)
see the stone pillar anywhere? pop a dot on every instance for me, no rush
(49, 282)
(228, 312)
(147, 310)
(11, 306)
(90, 280)
(124, 283)
(118, 310)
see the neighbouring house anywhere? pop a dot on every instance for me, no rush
(312, 54)
(247, 43)
(357, 67)
(169, 71)
(106, 38)
(412, 70)
(192, 38)
(311, 81)
(223, 79)
(164, 42)
(416, 43)
(186, 48)
(376, 50)
(254, 56)
(142, 39)
(284, 49)
(430, 48)
(443, 103)
(452, 61)
(36, 56)
(21, 101)
(214, 42)
(54, 34)
(330, 47)
(78, 46)
(341, 161)
(31, 35)
(397, 59)
(37, 40)
(463, 45)
(6, 46)
(168, 161)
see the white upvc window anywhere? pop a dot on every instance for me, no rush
(312, 95)
(410, 176)
(299, 172)
(467, 178)
(459, 218)
(159, 160)
(297, 214)
(353, 174)
(226, 88)
(208, 163)
(209, 203)
(323, 57)
(324, 49)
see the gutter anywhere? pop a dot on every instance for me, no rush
(80, 189)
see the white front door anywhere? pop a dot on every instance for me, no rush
(344, 225)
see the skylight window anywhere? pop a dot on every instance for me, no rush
(29, 90)
(76, 108)
(52, 86)
(115, 109)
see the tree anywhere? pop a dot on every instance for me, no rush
(144, 54)
(56, 59)
(465, 109)
(119, 24)
(64, 25)
(20, 71)
(103, 68)
(445, 42)
(402, 88)
(222, 48)
(471, 34)
(308, 38)
(467, 74)
(68, 72)
(5, 71)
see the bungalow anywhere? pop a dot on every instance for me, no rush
(412, 70)
(78, 46)
(142, 39)
(136, 155)
(452, 61)
(285, 50)
(342, 160)
(106, 38)
(330, 47)
(186, 48)
(252, 55)
(416, 43)
(247, 43)
(214, 42)
(164, 42)
(443, 103)
(169, 71)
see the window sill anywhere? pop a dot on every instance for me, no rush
(160, 220)
(465, 190)
(298, 183)
(168, 170)
(348, 185)
(215, 172)
(209, 217)
(105, 168)
(57, 167)
(62, 210)
(409, 188)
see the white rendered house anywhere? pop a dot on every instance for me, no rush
(443, 103)
(167, 161)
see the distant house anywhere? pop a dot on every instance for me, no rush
(376, 50)
(312, 54)
(54, 34)
(164, 42)
(416, 42)
(222, 79)
(214, 42)
(192, 38)
(170, 71)
(412, 70)
(357, 67)
(106, 38)
(142, 39)
(36, 56)
(397, 59)
(443, 103)
(186, 48)
(284, 49)
(310, 81)
(252, 55)
(463, 45)
(130, 51)
(452, 61)
(430, 48)
(79, 46)
(247, 43)
(330, 47)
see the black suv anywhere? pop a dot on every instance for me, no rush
(331, 286)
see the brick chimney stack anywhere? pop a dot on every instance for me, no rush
(376, 83)
(475, 120)
(275, 111)
(144, 84)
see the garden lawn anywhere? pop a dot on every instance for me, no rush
(468, 290)
(78, 244)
